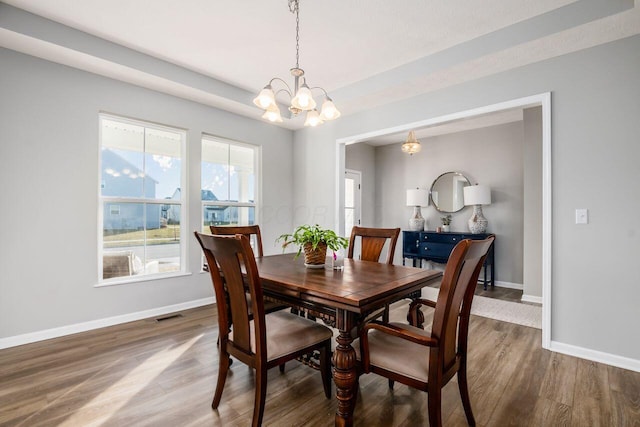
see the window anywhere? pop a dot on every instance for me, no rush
(141, 202)
(228, 183)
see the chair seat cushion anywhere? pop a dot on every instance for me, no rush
(392, 353)
(288, 333)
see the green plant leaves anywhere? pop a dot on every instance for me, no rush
(315, 235)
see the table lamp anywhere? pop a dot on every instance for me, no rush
(417, 198)
(476, 196)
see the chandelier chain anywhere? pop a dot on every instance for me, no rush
(294, 7)
(301, 97)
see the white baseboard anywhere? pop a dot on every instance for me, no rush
(509, 285)
(531, 298)
(596, 356)
(99, 323)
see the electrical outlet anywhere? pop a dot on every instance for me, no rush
(582, 216)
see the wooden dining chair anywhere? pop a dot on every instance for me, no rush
(249, 231)
(246, 230)
(427, 360)
(372, 241)
(261, 341)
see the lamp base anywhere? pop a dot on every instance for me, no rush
(416, 222)
(477, 222)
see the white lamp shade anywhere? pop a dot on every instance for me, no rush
(265, 98)
(313, 118)
(272, 114)
(303, 99)
(417, 197)
(329, 110)
(477, 195)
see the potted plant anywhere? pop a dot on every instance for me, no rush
(314, 240)
(446, 222)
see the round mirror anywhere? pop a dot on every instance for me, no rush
(446, 192)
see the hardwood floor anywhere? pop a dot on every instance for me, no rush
(149, 373)
(504, 294)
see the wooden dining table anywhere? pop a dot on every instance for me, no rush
(341, 298)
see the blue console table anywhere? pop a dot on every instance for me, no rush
(436, 247)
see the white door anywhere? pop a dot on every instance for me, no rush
(352, 200)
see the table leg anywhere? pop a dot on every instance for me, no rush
(485, 276)
(415, 316)
(344, 373)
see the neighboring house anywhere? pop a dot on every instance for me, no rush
(122, 179)
(211, 215)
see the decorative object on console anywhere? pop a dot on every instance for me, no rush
(446, 192)
(301, 97)
(417, 198)
(476, 196)
(446, 223)
(411, 145)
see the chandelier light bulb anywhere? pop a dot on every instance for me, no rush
(329, 110)
(313, 118)
(272, 114)
(303, 99)
(265, 98)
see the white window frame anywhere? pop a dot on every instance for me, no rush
(183, 203)
(257, 184)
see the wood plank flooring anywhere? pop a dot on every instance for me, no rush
(149, 373)
(504, 294)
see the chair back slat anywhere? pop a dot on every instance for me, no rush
(246, 230)
(231, 256)
(372, 241)
(451, 316)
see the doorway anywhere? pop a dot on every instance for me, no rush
(543, 100)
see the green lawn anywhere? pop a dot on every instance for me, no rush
(158, 236)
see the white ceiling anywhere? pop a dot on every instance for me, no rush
(248, 42)
(366, 53)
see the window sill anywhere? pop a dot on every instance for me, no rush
(137, 279)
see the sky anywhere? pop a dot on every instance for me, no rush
(166, 171)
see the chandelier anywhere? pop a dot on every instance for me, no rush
(301, 97)
(411, 145)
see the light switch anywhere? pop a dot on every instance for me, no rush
(582, 216)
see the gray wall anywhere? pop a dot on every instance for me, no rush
(532, 169)
(49, 178)
(491, 156)
(595, 128)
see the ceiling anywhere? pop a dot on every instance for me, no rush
(366, 53)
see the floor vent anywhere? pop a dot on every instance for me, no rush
(171, 316)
